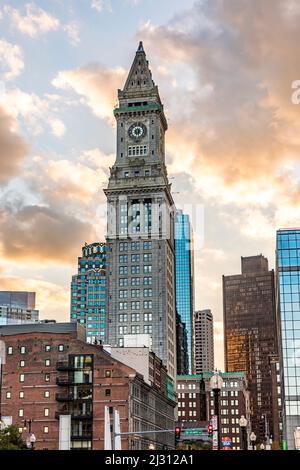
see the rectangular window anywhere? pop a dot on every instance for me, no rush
(122, 330)
(147, 245)
(22, 378)
(135, 246)
(47, 394)
(147, 292)
(22, 350)
(122, 305)
(148, 329)
(135, 317)
(47, 377)
(147, 257)
(147, 316)
(48, 347)
(123, 317)
(21, 394)
(147, 303)
(8, 395)
(135, 258)
(21, 413)
(123, 270)
(123, 294)
(135, 305)
(135, 329)
(45, 430)
(22, 363)
(123, 246)
(135, 269)
(46, 411)
(9, 350)
(137, 150)
(107, 392)
(147, 269)
(61, 347)
(135, 281)
(123, 281)
(147, 281)
(135, 292)
(123, 259)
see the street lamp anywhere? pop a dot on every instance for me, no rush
(243, 424)
(253, 440)
(216, 383)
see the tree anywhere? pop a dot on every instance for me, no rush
(10, 439)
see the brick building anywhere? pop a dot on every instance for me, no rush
(234, 402)
(49, 370)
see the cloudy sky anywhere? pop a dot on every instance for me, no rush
(225, 70)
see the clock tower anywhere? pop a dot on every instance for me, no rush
(140, 222)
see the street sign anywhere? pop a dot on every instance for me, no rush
(193, 431)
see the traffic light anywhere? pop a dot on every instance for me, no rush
(177, 434)
(210, 430)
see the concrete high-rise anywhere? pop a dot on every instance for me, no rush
(250, 334)
(184, 276)
(88, 292)
(204, 341)
(288, 298)
(140, 220)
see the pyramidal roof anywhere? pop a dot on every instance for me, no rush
(139, 78)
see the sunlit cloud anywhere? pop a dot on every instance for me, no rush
(34, 21)
(73, 32)
(97, 85)
(11, 60)
(101, 5)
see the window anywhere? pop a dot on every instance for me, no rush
(123, 246)
(135, 269)
(45, 430)
(47, 394)
(137, 150)
(61, 347)
(147, 316)
(135, 281)
(107, 392)
(47, 362)
(21, 413)
(135, 292)
(46, 411)
(135, 246)
(126, 174)
(22, 363)
(147, 269)
(147, 292)
(147, 245)
(123, 294)
(21, 394)
(147, 329)
(135, 317)
(135, 329)
(123, 259)
(123, 270)
(135, 305)
(22, 378)
(147, 303)
(147, 257)
(22, 350)
(147, 281)
(135, 258)
(121, 342)
(108, 373)
(123, 281)
(122, 330)
(8, 395)
(48, 347)
(9, 350)
(123, 317)
(122, 305)
(47, 377)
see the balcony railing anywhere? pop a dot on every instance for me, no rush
(64, 365)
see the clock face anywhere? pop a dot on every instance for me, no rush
(137, 131)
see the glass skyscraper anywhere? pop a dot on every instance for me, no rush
(88, 292)
(184, 276)
(288, 283)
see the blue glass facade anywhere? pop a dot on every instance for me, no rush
(88, 292)
(184, 276)
(288, 279)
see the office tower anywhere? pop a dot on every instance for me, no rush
(52, 377)
(204, 341)
(88, 292)
(288, 298)
(17, 307)
(181, 347)
(140, 220)
(250, 335)
(184, 276)
(234, 403)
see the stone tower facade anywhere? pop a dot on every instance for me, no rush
(140, 221)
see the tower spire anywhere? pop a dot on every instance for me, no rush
(140, 77)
